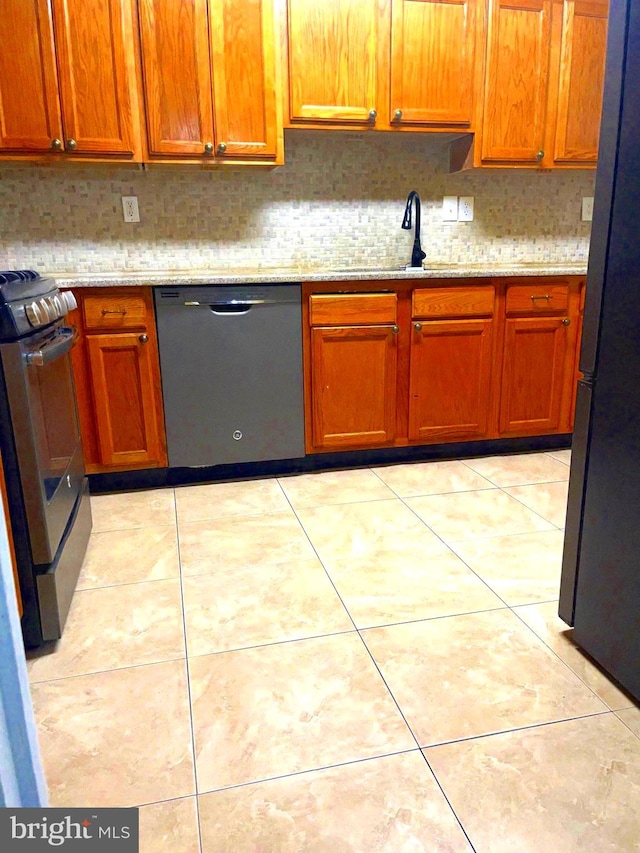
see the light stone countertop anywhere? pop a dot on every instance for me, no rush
(265, 275)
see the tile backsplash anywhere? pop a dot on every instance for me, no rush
(338, 201)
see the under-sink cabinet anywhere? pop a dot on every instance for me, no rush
(444, 362)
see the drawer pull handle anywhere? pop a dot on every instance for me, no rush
(395, 329)
(546, 296)
(417, 327)
(144, 339)
(566, 322)
(106, 311)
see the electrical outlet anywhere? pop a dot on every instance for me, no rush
(465, 208)
(130, 208)
(450, 208)
(587, 208)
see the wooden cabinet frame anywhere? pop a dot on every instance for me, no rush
(493, 368)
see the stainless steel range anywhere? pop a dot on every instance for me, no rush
(47, 489)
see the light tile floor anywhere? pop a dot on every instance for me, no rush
(361, 661)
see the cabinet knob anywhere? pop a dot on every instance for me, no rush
(56, 144)
(222, 148)
(566, 322)
(540, 155)
(208, 148)
(417, 327)
(144, 339)
(373, 115)
(72, 144)
(395, 329)
(397, 116)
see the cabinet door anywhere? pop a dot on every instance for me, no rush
(125, 383)
(535, 371)
(243, 55)
(353, 385)
(29, 108)
(518, 46)
(94, 76)
(332, 60)
(450, 380)
(177, 76)
(580, 86)
(432, 61)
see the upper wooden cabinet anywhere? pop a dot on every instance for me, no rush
(384, 64)
(30, 117)
(543, 84)
(583, 44)
(432, 64)
(177, 76)
(515, 102)
(209, 69)
(333, 60)
(69, 84)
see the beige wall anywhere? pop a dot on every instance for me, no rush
(338, 201)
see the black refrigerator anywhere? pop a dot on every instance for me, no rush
(600, 588)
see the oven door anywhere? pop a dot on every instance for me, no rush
(44, 417)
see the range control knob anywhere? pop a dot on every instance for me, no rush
(59, 305)
(69, 300)
(34, 315)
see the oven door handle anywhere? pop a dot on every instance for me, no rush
(63, 342)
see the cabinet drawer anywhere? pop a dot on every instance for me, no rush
(431, 302)
(352, 309)
(112, 311)
(537, 298)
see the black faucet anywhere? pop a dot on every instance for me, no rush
(417, 255)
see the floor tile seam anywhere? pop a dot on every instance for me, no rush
(95, 532)
(528, 727)
(175, 577)
(556, 655)
(433, 618)
(309, 770)
(315, 551)
(451, 551)
(347, 611)
(447, 800)
(282, 514)
(551, 452)
(535, 512)
(189, 696)
(270, 643)
(433, 494)
(107, 671)
(244, 568)
(617, 714)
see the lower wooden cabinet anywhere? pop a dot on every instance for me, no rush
(117, 376)
(354, 386)
(445, 362)
(537, 366)
(450, 380)
(354, 368)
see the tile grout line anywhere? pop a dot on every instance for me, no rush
(556, 655)
(189, 696)
(513, 497)
(375, 664)
(451, 550)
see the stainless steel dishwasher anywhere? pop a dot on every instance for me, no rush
(231, 362)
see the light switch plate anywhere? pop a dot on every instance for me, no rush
(465, 208)
(450, 208)
(587, 208)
